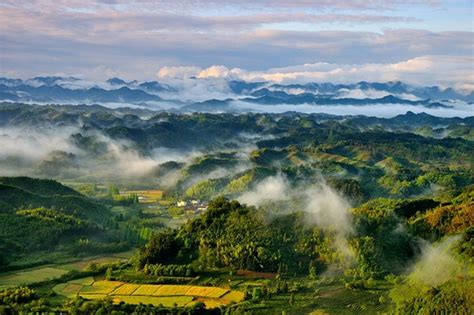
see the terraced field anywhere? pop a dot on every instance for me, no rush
(167, 295)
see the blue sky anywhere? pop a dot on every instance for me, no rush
(142, 39)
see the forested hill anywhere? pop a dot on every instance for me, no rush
(386, 240)
(24, 192)
(37, 214)
(45, 187)
(231, 234)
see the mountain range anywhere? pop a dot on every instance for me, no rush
(185, 97)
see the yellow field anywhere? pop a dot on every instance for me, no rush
(145, 196)
(233, 296)
(125, 289)
(168, 295)
(212, 303)
(212, 292)
(101, 287)
(170, 290)
(146, 289)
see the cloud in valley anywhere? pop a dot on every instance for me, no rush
(25, 151)
(271, 189)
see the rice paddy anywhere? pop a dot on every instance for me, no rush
(166, 295)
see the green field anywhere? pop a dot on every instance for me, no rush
(48, 272)
(81, 264)
(30, 276)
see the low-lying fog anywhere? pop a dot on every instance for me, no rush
(60, 153)
(54, 153)
(381, 110)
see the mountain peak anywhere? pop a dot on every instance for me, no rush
(116, 81)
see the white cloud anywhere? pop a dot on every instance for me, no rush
(323, 205)
(215, 72)
(177, 72)
(271, 189)
(442, 70)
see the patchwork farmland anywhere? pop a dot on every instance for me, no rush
(166, 295)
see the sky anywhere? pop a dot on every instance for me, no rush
(418, 41)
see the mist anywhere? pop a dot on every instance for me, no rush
(55, 153)
(457, 109)
(434, 266)
(322, 206)
(32, 144)
(329, 209)
(271, 189)
(27, 151)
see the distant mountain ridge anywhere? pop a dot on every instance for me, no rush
(152, 94)
(330, 89)
(97, 116)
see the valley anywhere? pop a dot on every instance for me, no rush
(234, 214)
(235, 157)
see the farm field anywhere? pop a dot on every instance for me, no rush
(332, 299)
(48, 272)
(172, 223)
(81, 264)
(145, 196)
(29, 276)
(168, 295)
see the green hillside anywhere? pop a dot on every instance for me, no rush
(37, 214)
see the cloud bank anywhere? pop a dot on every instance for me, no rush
(441, 70)
(55, 153)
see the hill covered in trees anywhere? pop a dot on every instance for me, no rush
(385, 241)
(42, 215)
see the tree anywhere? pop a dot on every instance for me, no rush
(109, 274)
(292, 299)
(256, 294)
(113, 191)
(312, 272)
(163, 247)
